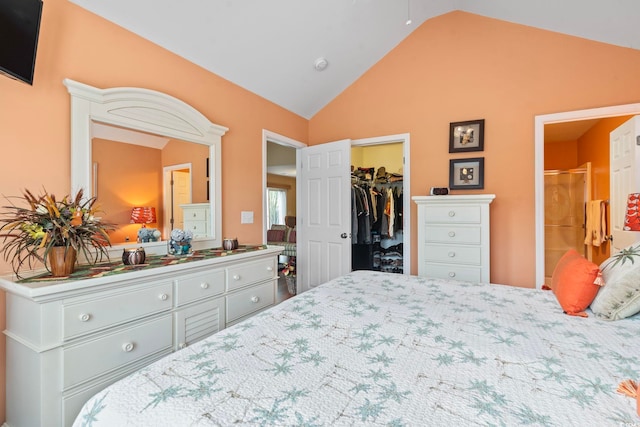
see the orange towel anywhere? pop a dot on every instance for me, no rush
(596, 224)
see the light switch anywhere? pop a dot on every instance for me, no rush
(246, 217)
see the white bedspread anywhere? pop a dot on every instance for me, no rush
(384, 349)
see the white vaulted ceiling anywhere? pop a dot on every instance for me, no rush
(269, 47)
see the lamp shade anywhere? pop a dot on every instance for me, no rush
(632, 213)
(143, 215)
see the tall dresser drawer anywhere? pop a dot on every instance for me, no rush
(195, 214)
(85, 361)
(453, 254)
(193, 287)
(253, 299)
(86, 316)
(198, 228)
(452, 234)
(454, 272)
(452, 214)
(251, 272)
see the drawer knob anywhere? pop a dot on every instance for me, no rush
(127, 347)
(204, 285)
(452, 254)
(452, 274)
(452, 234)
(84, 317)
(163, 297)
(236, 277)
(255, 299)
(269, 268)
(452, 213)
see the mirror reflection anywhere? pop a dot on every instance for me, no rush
(143, 180)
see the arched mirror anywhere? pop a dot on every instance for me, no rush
(138, 148)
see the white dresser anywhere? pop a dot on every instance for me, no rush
(196, 218)
(453, 236)
(67, 340)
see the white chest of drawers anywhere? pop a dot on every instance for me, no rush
(68, 340)
(196, 218)
(453, 236)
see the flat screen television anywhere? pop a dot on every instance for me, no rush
(19, 28)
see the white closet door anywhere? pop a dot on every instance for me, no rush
(324, 244)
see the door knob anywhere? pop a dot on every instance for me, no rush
(343, 235)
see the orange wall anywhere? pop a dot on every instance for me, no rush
(35, 120)
(125, 181)
(460, 67)
(560, 155)
(177, 152)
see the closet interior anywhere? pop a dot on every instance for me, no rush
(376, 208)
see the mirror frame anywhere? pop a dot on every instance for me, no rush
(147, 111)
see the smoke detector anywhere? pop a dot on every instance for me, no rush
(321, 64)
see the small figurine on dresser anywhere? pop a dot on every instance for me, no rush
(148, 235)
(180, 243)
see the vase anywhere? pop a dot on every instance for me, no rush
(133, 256)
(291, 284)
(62, 261)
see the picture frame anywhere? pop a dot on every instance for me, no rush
(466, 136)
(466, 174)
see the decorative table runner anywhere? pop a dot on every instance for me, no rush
(86, 271)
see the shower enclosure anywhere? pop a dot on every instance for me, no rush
(566, 193)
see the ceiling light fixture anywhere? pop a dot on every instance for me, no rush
(321, 63)
(408, 21)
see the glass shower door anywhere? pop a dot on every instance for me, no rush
(564, 205)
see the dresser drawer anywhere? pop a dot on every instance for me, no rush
(86, 316)
(452, 214)
(193, 287)
(95, 357)
(198, 228)
(452, 234)
(245, 274)
(453, 254)
(454, 272)
(249, 300)
(195, 214)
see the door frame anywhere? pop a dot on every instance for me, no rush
(268, 136)
(405, 139)
(166, 185)
(539, 123)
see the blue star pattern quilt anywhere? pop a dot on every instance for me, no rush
(381, 349)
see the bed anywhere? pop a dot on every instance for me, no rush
(372, 348)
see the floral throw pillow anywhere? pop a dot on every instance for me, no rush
(619, 298)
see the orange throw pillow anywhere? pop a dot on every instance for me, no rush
(575, 282)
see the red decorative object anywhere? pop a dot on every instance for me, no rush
(632, 216)
(143, 215)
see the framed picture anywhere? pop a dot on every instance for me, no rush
(466, 174)
(466, 136)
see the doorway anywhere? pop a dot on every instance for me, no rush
(404, 139)
(177, 191)
(540, 127)
(280, 206)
